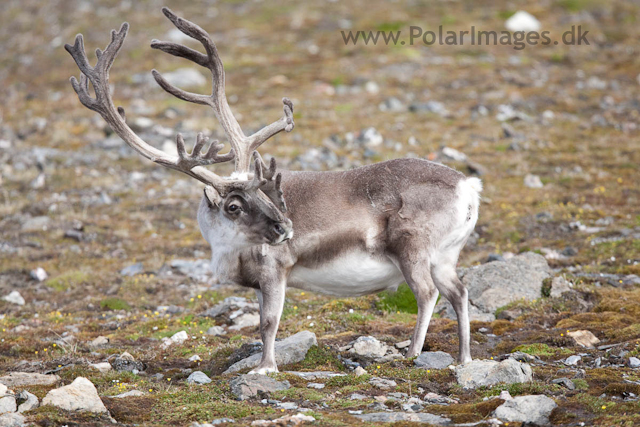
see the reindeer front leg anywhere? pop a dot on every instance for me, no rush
(271, 300)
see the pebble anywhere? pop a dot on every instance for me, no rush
(215, 331)
(14, 297)
(198, 377)
(634, 362)
(533, 181)
(572, 360)
(39, 274)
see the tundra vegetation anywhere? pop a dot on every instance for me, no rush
(553, 132)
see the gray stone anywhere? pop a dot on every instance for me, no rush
(290, 350)
(130, 393)
(101, 366)
(559, 285)
(317, 386)
(99, 342)
(403, 344)
(29, 401)
(231, 304)
(572, 360)
(7, 400)
(433, 360)
(534, 409)
(199, 270)
(14, 297)
(37, 223)
(498, 283)
(383, 383)
(392, 417)
(478, 373)
(198, 377)
(317, 375)
(634, 362)
(533, 181)
(25, 379)
(80, 395)
(247, 386)
(133, 269)
(215, 331)
(177, 338)
(358, 396)
(359, 371)
(12, 420)
(565, 382)
(369, 347)
(39, 274)
(245, 320)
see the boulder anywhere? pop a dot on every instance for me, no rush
(496, 284)
(433, 360)
(7, 400)
(478, 373)
(80, 395)
(534, 409)
(369, 347)
(247, 386)
(25, 379)
(12, 420)
(29, 401)
(584, 338)
(290, 350)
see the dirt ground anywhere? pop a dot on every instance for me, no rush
(77, 203)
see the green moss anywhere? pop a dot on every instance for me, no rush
(114, 304)
(68, 280)
(320, 358)
(402, 300)
(540, 349)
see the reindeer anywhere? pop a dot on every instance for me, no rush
(357, 232)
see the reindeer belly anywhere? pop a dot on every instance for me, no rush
(355, 274)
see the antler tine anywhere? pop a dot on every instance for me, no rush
(115, 117)
(272, 188)
(243, 146)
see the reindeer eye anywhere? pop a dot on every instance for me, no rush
(233, 208)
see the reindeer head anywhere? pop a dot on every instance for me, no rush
(247, 208)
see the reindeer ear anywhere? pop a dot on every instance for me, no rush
(212, 196)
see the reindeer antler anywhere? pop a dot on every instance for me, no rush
(191, 164)
(242, 145)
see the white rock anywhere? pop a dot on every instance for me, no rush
(80, 395)
(533, 409)
(195, 358)
(23, 379)
(12, 420)
(198, 377)
(478, 373)
(177, 338)
(359, 371)
(403, 344)
(102, 366)
(522, 21)
(584, 338)
(7, 400)
(14, 298)
(533, 181)
(99, 342)
(369, 347)
(39, 274)
(559, 285)
(30, 401)
(130, 393)
(372, 87)
(572, 360)
(317, 386)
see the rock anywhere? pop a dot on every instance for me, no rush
(315, 375)
(12, 420)
(37, 223)
(198, 270)
(198, 377)
(437, 399)
(290, 350)
(358, 396)
(498, 283)
(185, 77)
(7, 400)
(403, 344)
(177, 338)
(102, 366)
(14, 297)
(317, 386)
(478, 373)
(215, 331)
(26, 379)
(359, 371)
(383, 383)
(29, 401)
(195, 358)
(370, 138)
(559, 285)
(433, 360)
(634, 362)
(434, 107)
(584, 338)
(565, 382)
(451, 154)
(133, 269)
(231, 304)
(396, 417)
(522, 21)
(369, 347)
(80, 395)
(392, 104)
(246, 320)
(533, 409)
(130, 393)
(287, 420)
(99, 342)
(39, 274)
(533, 181)
(126, 362)
(247, 386)
(572, 360)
